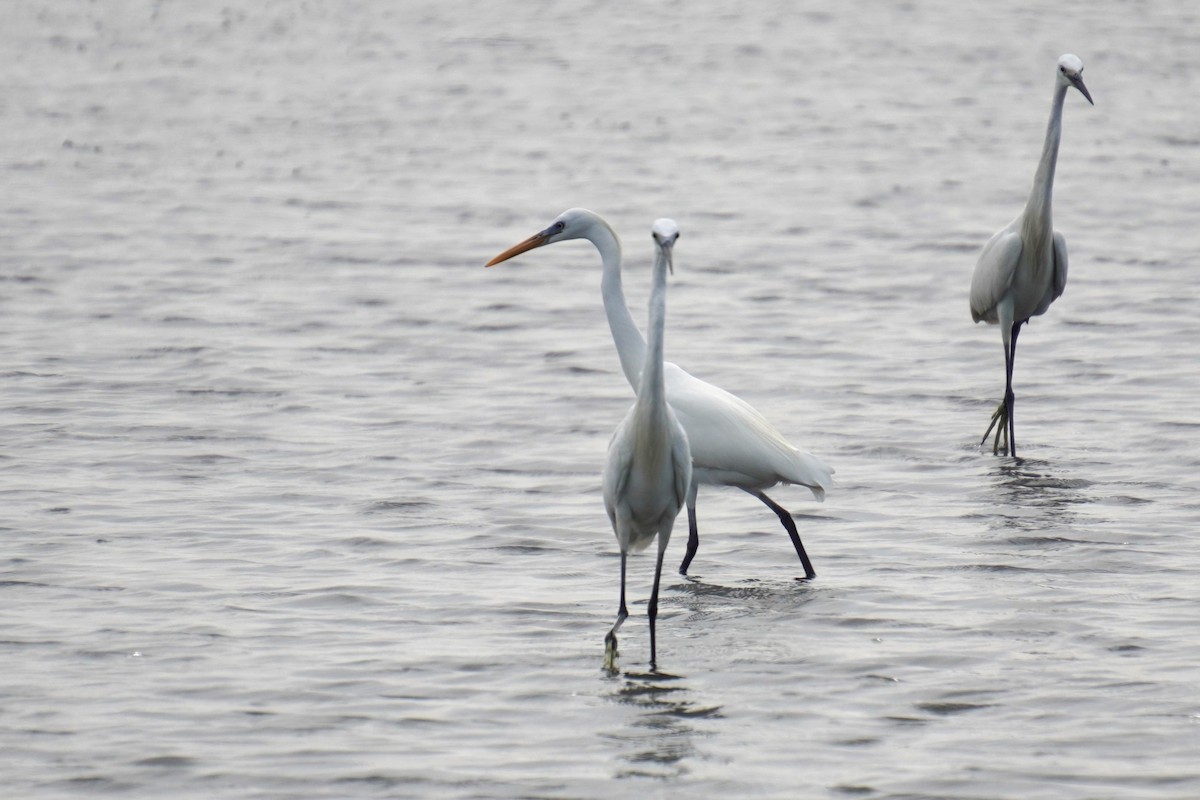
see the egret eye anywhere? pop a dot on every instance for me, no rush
(558, 226)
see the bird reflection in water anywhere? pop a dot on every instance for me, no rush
(1037, 501)
(659, 738)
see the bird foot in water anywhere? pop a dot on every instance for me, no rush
(610, 653)
(1000, 423)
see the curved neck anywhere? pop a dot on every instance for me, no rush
(652, 372)
(1043, 179)
(631, 347)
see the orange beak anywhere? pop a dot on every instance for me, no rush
(537, 240)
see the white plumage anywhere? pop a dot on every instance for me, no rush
(1023, 267)
(649, 466)
(732, 443)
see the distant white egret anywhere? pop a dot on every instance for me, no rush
(649, 467)
(1023, 267)
(732, 443)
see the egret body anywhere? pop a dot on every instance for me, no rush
(649, 466)
(1023, 267)
(732, 443)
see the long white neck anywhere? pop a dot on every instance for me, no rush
(1043, 180)
(651, 387)
(631, 347)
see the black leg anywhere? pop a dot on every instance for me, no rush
(1010, 398)
(652, 609)
(1005, 402)
(610, 641)
(790, 526)
(693, 539)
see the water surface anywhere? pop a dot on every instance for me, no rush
(300, 501)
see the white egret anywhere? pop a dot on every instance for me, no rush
(732, 443)
(1023, 267)
(649, 467)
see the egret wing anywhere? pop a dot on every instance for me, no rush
(730, 439)
(1058, 278)
(1060, 265)
(681, 459)
(994, 272)
(617, 467)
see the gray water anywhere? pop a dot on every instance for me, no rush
(298, 500)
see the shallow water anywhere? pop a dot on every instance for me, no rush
(300, 501)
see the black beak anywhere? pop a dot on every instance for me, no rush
(1077, 81)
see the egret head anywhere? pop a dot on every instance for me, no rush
(1070, 73)
(665, 233)
(574, 223)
